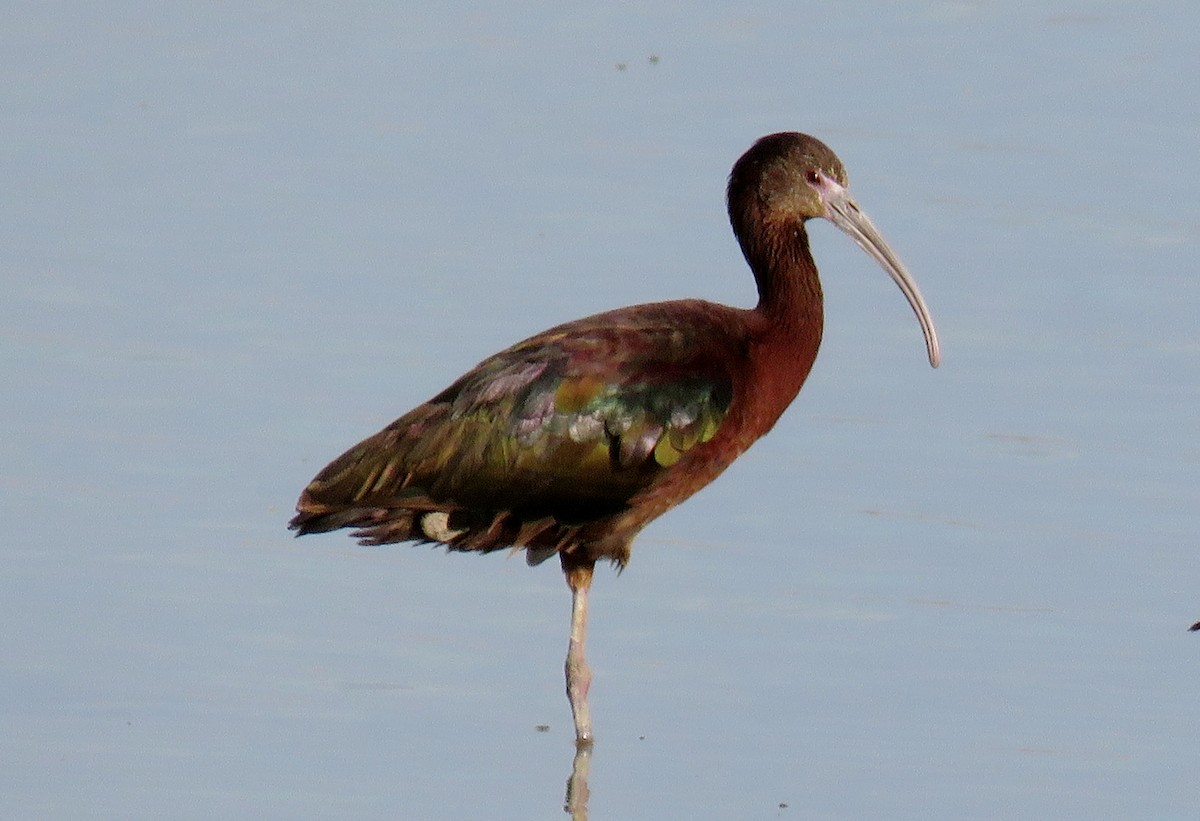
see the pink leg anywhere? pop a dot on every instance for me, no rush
(579, 675)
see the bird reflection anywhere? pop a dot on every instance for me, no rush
(576, 802)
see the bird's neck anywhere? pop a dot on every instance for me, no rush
(791, 318)
(789, 291)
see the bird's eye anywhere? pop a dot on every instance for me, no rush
(812, 176)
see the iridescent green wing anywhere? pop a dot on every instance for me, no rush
(569, 424)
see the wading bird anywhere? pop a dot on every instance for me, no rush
(570, 442)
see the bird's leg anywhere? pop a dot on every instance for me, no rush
(579, 675)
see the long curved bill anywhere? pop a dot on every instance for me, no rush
(842, 211)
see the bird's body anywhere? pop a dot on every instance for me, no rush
(571, 441)
(568, 442)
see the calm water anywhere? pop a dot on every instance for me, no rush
(238, 239)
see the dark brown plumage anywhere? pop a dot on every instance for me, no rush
(571, 441)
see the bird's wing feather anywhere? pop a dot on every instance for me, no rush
(566, 426)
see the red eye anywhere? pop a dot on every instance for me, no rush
(812, 176)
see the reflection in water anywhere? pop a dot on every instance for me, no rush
(577, 785)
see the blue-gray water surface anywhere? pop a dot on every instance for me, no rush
(237, 239)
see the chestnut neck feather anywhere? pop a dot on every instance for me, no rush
(790, 316)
